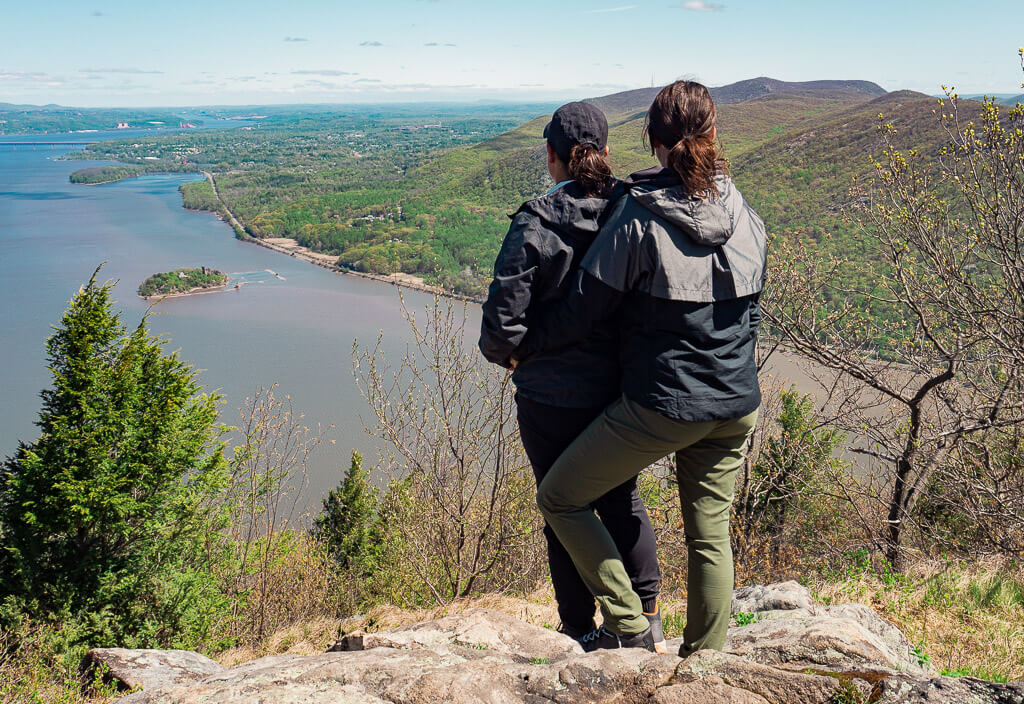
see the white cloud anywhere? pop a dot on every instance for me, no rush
(116, 70)
(701, 6)
(296, 39)
(322, 72)
(33, 79)
(369, 43)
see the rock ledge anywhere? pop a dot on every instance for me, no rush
(793, 652)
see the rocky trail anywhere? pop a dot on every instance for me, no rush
(791, 651)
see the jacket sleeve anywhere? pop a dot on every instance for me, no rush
(608, 271)
(755, 314)
(504, 312)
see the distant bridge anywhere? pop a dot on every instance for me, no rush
(42, 144)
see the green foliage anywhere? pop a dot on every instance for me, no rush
(347, 524)
(26, 119)
(38, 667)
(673, 623)
(982, 673)
(922, 657)
(181, 281)
(742, 618)
(99, 516)
(119, 172)
(793, 458)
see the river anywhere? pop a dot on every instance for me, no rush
(296, 332)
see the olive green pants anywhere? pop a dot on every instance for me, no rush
(618, 445)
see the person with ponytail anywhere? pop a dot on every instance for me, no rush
(677, 269)
(559, 393)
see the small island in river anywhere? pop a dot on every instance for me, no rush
(182, 282)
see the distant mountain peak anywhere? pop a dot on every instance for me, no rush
(632, 101)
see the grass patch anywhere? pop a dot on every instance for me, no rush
(968, 619)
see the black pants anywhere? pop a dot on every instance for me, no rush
(546, 432)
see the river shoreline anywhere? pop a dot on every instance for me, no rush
(199, 290)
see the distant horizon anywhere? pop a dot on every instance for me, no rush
(483, 100)
(119, 53)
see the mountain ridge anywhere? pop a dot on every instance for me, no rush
(617, 104)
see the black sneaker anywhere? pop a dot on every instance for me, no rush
(598, 639)
(603, 639)
(576, 633)
(656, 631)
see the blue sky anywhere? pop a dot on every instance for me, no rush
(116, 52)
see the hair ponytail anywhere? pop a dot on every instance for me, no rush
(682, 118)
(590, 168)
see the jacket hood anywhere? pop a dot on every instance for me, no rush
(568, 209)
(706, 221)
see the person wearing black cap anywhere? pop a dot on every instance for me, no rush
(558, 394)
(679, 266)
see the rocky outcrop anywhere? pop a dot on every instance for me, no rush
(478, 629)
(146, 669)
(792, 651)
(783, 596)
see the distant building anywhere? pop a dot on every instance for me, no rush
(123, 125)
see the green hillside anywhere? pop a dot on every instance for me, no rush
(390, 197)
(455, 206)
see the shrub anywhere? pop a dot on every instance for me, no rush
(101, 515)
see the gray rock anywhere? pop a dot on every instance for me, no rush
(771, 597)
(825, 643)
(486, 656)
(493, 632)
(417, 675)
(771, 684)
(145, 669)
(711, 690)
(947, 690)
(628, 675)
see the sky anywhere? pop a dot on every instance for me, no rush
(223, 52)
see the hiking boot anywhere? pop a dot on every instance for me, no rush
(643, 640)
(603, 639)
(656, 631)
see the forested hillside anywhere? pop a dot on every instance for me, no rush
(399, 194)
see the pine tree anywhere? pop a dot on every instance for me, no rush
(347, 525)
(100, 515)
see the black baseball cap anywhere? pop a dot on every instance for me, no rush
(576, 123)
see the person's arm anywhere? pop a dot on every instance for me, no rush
(504, 312)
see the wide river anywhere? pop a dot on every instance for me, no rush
(297, 333)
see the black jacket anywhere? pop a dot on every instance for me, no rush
(536, 265)
(681, 277)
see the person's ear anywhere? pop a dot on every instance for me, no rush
(552, 157)
(654, 144)
(714, 132)
(606, 150)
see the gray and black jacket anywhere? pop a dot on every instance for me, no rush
(536, 267)
(680, 278)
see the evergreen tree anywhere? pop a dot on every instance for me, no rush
(347, 525)
(100, 516)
